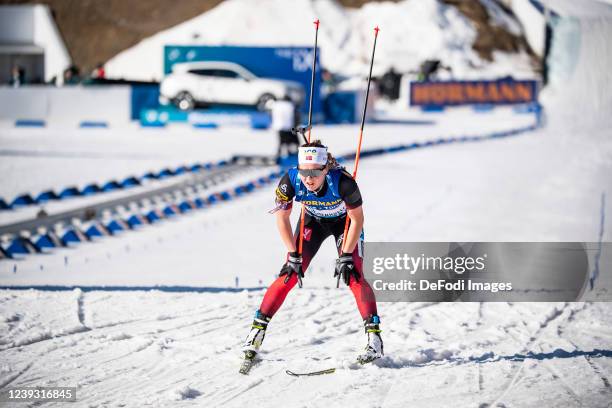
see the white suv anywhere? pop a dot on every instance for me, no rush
(222, 82)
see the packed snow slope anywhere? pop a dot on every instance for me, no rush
(414, 30)
(153, 348)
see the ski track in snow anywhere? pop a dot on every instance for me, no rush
(187, 348)
(551, 316)
(589, 360)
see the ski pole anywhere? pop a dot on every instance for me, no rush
(312, 80)
(302, 130)
(363, 115)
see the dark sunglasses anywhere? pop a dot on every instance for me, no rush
(311, 172)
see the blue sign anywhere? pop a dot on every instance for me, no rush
(504, 91)
(144, 97)
(286, 63)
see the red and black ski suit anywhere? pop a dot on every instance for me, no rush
(316, 230)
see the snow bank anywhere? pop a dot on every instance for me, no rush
(580, 90)
(415, 358)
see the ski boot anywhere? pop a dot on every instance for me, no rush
(253, 341)
(374, 349)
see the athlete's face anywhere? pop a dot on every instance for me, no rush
(313, 183)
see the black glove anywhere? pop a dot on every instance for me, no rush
(345, 268)
(293, 265)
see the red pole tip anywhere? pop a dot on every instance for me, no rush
(316, 22)
(376, 29)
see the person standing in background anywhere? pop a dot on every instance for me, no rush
(72, 75)
(17, 76)
(283, 120)
(98, 72)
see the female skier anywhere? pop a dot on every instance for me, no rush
(328, 193)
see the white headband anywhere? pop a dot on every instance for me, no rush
(312, 155)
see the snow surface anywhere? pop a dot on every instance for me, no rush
(154, 348)
(411, 32)
(533, 22)
(79, 157)
(510, 189)
(137, 349)
(580, 94)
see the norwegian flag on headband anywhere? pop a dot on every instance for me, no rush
(312, 155)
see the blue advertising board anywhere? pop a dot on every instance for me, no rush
(504, 91)
(143, 97)
(287, 63)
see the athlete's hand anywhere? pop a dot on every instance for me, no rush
(345, 268)
(293, 265)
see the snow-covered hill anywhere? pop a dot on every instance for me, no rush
(411, 32)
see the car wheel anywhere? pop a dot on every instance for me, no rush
(184, 101)
(263, 101)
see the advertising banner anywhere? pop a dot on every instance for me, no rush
(449, 93)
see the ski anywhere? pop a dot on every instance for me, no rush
(312, 373)
(248, 362)
(359, 361)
